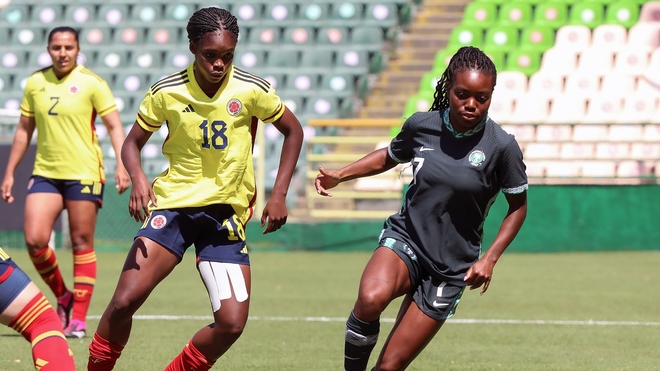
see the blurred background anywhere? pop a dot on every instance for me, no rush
(578, 85)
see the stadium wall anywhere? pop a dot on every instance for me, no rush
(560, 218)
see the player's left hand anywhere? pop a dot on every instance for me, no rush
(274, 214)
(480, 273)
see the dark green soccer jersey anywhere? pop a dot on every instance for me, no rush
(455, 181)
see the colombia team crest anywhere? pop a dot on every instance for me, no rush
(73, 89)
(158, 222)
(234, 107)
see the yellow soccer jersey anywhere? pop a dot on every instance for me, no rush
(65, 110)
(210, 140)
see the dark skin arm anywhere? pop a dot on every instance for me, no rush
(373, 163)
(481, 272)
(141, 192)
(275, 213)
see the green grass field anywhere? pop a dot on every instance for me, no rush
(574, 311)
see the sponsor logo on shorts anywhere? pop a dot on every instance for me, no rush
(405, 248)
(158, 222)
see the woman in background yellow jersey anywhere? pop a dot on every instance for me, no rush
(61, 102)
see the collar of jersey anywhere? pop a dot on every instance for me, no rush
(457, 134)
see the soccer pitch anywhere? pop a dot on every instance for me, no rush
(569, 311)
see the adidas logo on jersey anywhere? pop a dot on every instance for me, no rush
(189, 108)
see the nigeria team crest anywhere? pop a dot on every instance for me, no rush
(476, 157)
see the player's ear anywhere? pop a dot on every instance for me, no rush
(192, 47)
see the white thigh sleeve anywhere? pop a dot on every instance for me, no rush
(220, 279)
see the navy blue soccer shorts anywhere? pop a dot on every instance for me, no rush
(85, 190)
(434, 297)
(12, 281)
(215, 230)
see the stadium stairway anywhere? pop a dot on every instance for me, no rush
(427, 33)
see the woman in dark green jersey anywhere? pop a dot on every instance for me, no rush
(430, 250)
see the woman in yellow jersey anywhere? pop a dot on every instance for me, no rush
(205, 197)
(61, 102)
(24, 308)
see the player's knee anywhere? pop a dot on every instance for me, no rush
(36, 244)
(229, 330)
(370, 304)
(123, 306)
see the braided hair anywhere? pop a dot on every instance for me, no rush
(210, 19)
(466, 58)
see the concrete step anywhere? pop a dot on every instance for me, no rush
(381, 112)
(424, 41)
(416, 54)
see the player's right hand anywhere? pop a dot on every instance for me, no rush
(7, 184)
(141, 196)
(324, 181)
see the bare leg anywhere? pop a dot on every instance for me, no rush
(385, 278)
(229, 321)
(41, 212)
(412, 331)
(147, 264)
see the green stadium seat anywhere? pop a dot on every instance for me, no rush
(517, 13)
(524, 60)
(466, 36)
(264, 36)
(381, 14)
(345, 14)
(282, 60)
(146, 13)
(15, 13)
(428, 82)
(127, 105)
(279, 12)
(480, 14)
(276, 80)
(553, 14)
(502, 38)
(251, 60)
(178, 13)
(177, 60)
(11, 100)
(47, 15)
(248, 14)
(112, 14)
(322, 106)
(112, 58)
(28, 36)
(497, 55)
(313, 13)
(131, 81)
(369, 38)
(340, 85)
(442, 57)
(129, 35)
(420, 102)
(13, 59)
(332, 36)
(537, 37)
(80, 14)
(355, 61)
(623, 13)
(38, 58)
(587, 13)
(297, 36)
(95, 36)
(164, 36)
(146, 58)
(6, 82)
(316, 59)
(303, 82)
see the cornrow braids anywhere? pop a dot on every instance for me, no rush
(210, 19)
(466, 58)
(62, 29)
